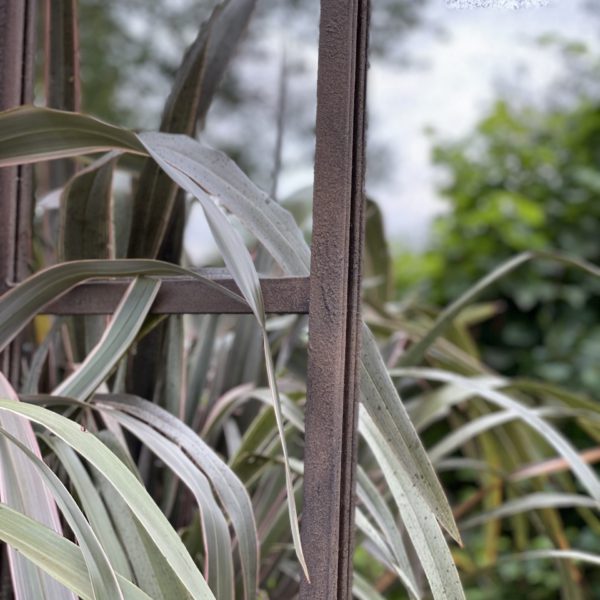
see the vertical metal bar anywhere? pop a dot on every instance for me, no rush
(334, 320)
(12, 19)
(17, 32)
(61, 72)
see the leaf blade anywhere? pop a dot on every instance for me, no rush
(121, 332)
(22, 302)
(57, 556)
(102, 576)
(127, 486)
(29, 134)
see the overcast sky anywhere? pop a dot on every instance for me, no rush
(458, 65)
(481, 49)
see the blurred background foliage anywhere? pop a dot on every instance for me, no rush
(527, 178)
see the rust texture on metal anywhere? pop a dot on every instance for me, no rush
(283, 295)
(334, 320)
(63, 88)
(61, 64)
(17, 32)
(17, 35)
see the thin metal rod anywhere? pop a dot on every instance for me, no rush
(282, 295)
(17, 34)
(334, 320)
(16, 64)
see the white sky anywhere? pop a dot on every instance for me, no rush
(455, 78)
(482, 48)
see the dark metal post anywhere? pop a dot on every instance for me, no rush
(334, 320)
(17, 33)
(61, 76)
(16, 87)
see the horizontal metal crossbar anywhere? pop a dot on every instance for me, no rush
(183, 295)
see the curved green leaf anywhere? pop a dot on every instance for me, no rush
(576, 555)
(583, 471)
(29, 134)
(397, 433)
(374, 504)
(529, 503)
(415, 353)
(102, 576)
(57, 556)
(423, 530)
(120, 334)
(127, 486)
(454, 440)
(22, 302)
(218, 552)
(217, 175)
(238, 261)
(231, 491)
(92, 504)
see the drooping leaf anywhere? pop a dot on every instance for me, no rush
(217, 544)
(575, 555)
(102, 576)
(57, 556)
(92, 504)
(124, 327)
(231, 492)
(22, 302)
(423, 530)
(288, 476)
(474, 427)
(126, 486)
(217, 175)
(22, 488)
(375, 505)
(583, 471)
(230, 243)
(29, 134)
(435, 404)
(375, 539)
(397, 434)
(240, 265)
(531, 502)
(152, 573)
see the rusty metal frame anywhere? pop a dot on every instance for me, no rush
(17, 33)
(17, 38)
(330, 296)
(183, 295)
(334, 318)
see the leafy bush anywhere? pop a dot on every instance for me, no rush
(526, 179)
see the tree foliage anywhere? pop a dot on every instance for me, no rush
(526, 179)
